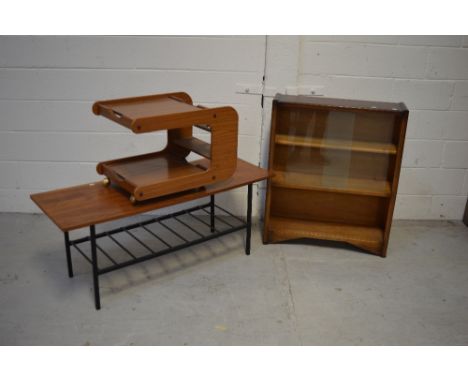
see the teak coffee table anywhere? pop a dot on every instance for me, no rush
(87, 205)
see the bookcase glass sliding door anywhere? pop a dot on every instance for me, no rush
(347, 152)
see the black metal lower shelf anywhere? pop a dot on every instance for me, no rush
(229, 223)
(171, 232)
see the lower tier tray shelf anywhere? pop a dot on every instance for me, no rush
(146, 170)
(156, 174)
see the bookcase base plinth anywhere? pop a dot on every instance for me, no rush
(367, 238)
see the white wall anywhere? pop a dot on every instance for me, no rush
(49, 138)
(428, 73)
(48, 135)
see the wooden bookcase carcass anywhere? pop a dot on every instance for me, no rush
(335, 168)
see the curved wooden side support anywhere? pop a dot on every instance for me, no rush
(224, 142)
(222, 153)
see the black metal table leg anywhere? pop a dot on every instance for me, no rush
(97, 299)
(69, 260)
(249, 219)
(212, 213)
(231, 225)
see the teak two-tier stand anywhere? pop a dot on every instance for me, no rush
(168, 171)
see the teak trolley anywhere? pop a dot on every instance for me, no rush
(335, 168)
(167, 171)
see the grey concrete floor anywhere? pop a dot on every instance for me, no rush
(308, 293)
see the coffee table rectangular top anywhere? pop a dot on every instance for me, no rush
(93, 203)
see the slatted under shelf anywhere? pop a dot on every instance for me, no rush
(335, 144)
(158, 236)
(357, 186)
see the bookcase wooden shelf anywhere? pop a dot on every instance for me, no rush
(365, 147)
(335, 167)
(301, 181)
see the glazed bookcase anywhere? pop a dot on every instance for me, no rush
(335, 167)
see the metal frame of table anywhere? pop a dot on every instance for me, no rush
(209, 210)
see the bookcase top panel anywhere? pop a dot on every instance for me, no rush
(339, 103)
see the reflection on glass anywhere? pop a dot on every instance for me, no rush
(343, 151)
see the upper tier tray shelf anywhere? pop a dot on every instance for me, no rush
(151, 113)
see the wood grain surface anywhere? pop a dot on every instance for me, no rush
(93, 203)
(167, 171)
(335, 166)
